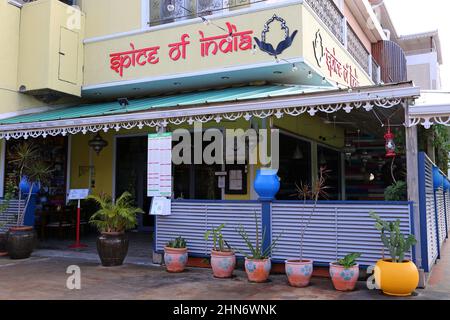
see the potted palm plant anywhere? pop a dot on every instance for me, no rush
(299, 271)
(33, 172)
(176, 255)
(223, 259)
(257, 263)
(345, 272)
(112, 220)
(395, 276)
(3, 207)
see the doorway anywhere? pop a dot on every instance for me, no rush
(131, 175)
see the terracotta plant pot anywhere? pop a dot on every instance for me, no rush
(3, 240)
(175, 259)
(396, 279)
(299, 272)
(257, 270)
(344, 279)
(112, 248)
(223, 263)
(21, 242)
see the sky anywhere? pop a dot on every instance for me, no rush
(416, 16)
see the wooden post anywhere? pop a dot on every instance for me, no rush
(412, 180)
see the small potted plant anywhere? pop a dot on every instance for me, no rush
(223, 259)
(112, 220)
(299, 271)
(257, 263)
(176, 255)
(395, 276)
(345, 272)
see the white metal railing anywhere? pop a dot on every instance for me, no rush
(330, 14)
(356, 48)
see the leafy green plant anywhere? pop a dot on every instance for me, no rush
(177, 243)
(392, 238)
(396, 192)
(115, 216)
(256, 249)
(219, 242)
(349, 260)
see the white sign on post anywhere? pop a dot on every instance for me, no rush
(159, 166)
(78, 194)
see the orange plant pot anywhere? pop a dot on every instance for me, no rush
(257, 270)
(344, 279)
(299, 272)
(175, 259)
(223, 263)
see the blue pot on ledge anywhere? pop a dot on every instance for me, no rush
(446, 185)
(267, 184)
(25, 186)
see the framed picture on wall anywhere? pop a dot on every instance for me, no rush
(236, 179)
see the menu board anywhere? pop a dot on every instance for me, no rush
(159, 166)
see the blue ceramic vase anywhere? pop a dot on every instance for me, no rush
(267, 183)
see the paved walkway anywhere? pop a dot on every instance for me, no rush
(44, 277)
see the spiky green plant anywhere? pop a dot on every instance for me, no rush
(177, 243)
(117, 216)
(349, 260)
(392, 238)
(256, 249)
(219, 243)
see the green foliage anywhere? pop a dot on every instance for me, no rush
(396, 192)
(393, 239)
(349, 260)
(442, 147)
(219, 242)
(27, 157)
(177, 243)
(256, 249)
(115, 216)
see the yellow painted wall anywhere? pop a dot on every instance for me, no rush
(312, 128)
(105, 17)
(10, 100)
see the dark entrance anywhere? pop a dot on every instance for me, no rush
(131, 175)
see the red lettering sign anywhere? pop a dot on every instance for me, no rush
(126, 59)
(347, 72)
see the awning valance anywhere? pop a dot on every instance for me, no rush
(433, 107)
(204, 106)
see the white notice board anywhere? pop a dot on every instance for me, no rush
(159, 165)
(78, 194)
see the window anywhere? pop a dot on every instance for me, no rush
(167, 11)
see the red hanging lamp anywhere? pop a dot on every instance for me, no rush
(389, 143)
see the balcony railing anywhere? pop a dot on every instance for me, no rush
(330, 14)
(357, 49)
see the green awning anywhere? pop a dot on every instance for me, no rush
(197, 98)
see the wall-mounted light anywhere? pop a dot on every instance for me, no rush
(310, 75)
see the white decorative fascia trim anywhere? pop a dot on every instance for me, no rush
(262, 108)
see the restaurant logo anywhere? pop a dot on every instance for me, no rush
(319, 52)
(283, 45)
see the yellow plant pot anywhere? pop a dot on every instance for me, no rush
(396, 279)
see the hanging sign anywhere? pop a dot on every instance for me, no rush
(159, 165)
(161, 206)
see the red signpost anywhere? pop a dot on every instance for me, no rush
(78, 194)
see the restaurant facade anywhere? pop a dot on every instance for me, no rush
(93, 84)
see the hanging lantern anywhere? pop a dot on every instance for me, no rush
(389, 144)
(97, 144)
